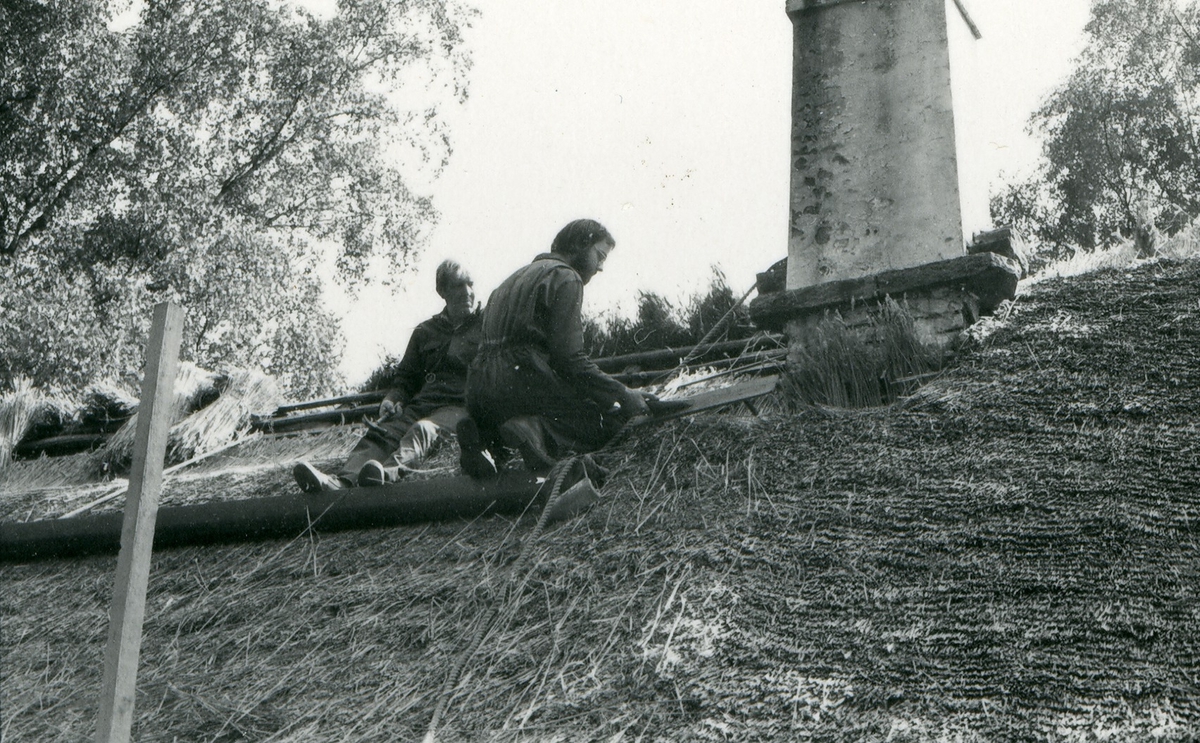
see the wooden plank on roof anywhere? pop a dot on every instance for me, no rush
(713, 399)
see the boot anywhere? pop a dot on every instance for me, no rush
(373, 474)
(473, 457)
(312, 480)
(524, 434)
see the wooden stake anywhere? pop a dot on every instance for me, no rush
(118, 688)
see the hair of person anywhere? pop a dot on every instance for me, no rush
(580, 234)
(449, 274)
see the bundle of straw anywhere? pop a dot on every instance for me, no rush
(52, 417)
(244, 393)
(106, 406)
(17, 409)
(30, 413)
(191, 385)
(847, 367)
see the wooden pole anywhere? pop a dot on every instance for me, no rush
(276, 517)
(962, 10)
(363, 397)
(671, 356)
(118, 688)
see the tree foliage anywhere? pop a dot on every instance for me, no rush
(1121, 148)
(661, 323)
(212, 152)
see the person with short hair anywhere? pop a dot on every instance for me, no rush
(427, 395)
(532, 386)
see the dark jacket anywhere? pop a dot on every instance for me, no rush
(433, 371)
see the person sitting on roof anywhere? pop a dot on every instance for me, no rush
(427, 396)
(532, 387)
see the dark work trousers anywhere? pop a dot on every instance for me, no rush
(500, 389)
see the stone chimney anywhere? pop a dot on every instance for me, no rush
(874, 208)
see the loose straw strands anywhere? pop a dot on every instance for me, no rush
(244, 394)
(191, 383)
(21, 409)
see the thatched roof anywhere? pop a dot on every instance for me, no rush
(1010, 554)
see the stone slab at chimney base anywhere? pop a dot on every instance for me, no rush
(943, 298)
(940, 315)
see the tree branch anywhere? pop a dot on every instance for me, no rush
(267, 151)
(27, 224)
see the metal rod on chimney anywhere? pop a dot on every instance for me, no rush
(962, 9)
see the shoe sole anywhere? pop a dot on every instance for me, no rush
(306, 477)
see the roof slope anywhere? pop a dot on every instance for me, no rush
(1011, 554)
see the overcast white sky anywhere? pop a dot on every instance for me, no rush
(668, 121)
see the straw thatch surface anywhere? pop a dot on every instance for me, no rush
(1009, 555)
(257, 466)
(24, 476)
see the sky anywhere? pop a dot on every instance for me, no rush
(668, 121)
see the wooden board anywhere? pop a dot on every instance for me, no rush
(128, 608)
(732, 395)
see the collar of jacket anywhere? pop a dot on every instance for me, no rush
(556, 258)
(443, 319)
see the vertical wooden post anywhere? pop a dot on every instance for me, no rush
(128, 608)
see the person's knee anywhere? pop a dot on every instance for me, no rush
(521, 429)
(425, 429)
(418, 442)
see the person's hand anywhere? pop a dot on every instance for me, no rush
(387, 408)
(635, 404)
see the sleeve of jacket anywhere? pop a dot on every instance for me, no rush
(565, 340)
(410, 374)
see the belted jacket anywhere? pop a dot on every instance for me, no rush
(535, 318)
